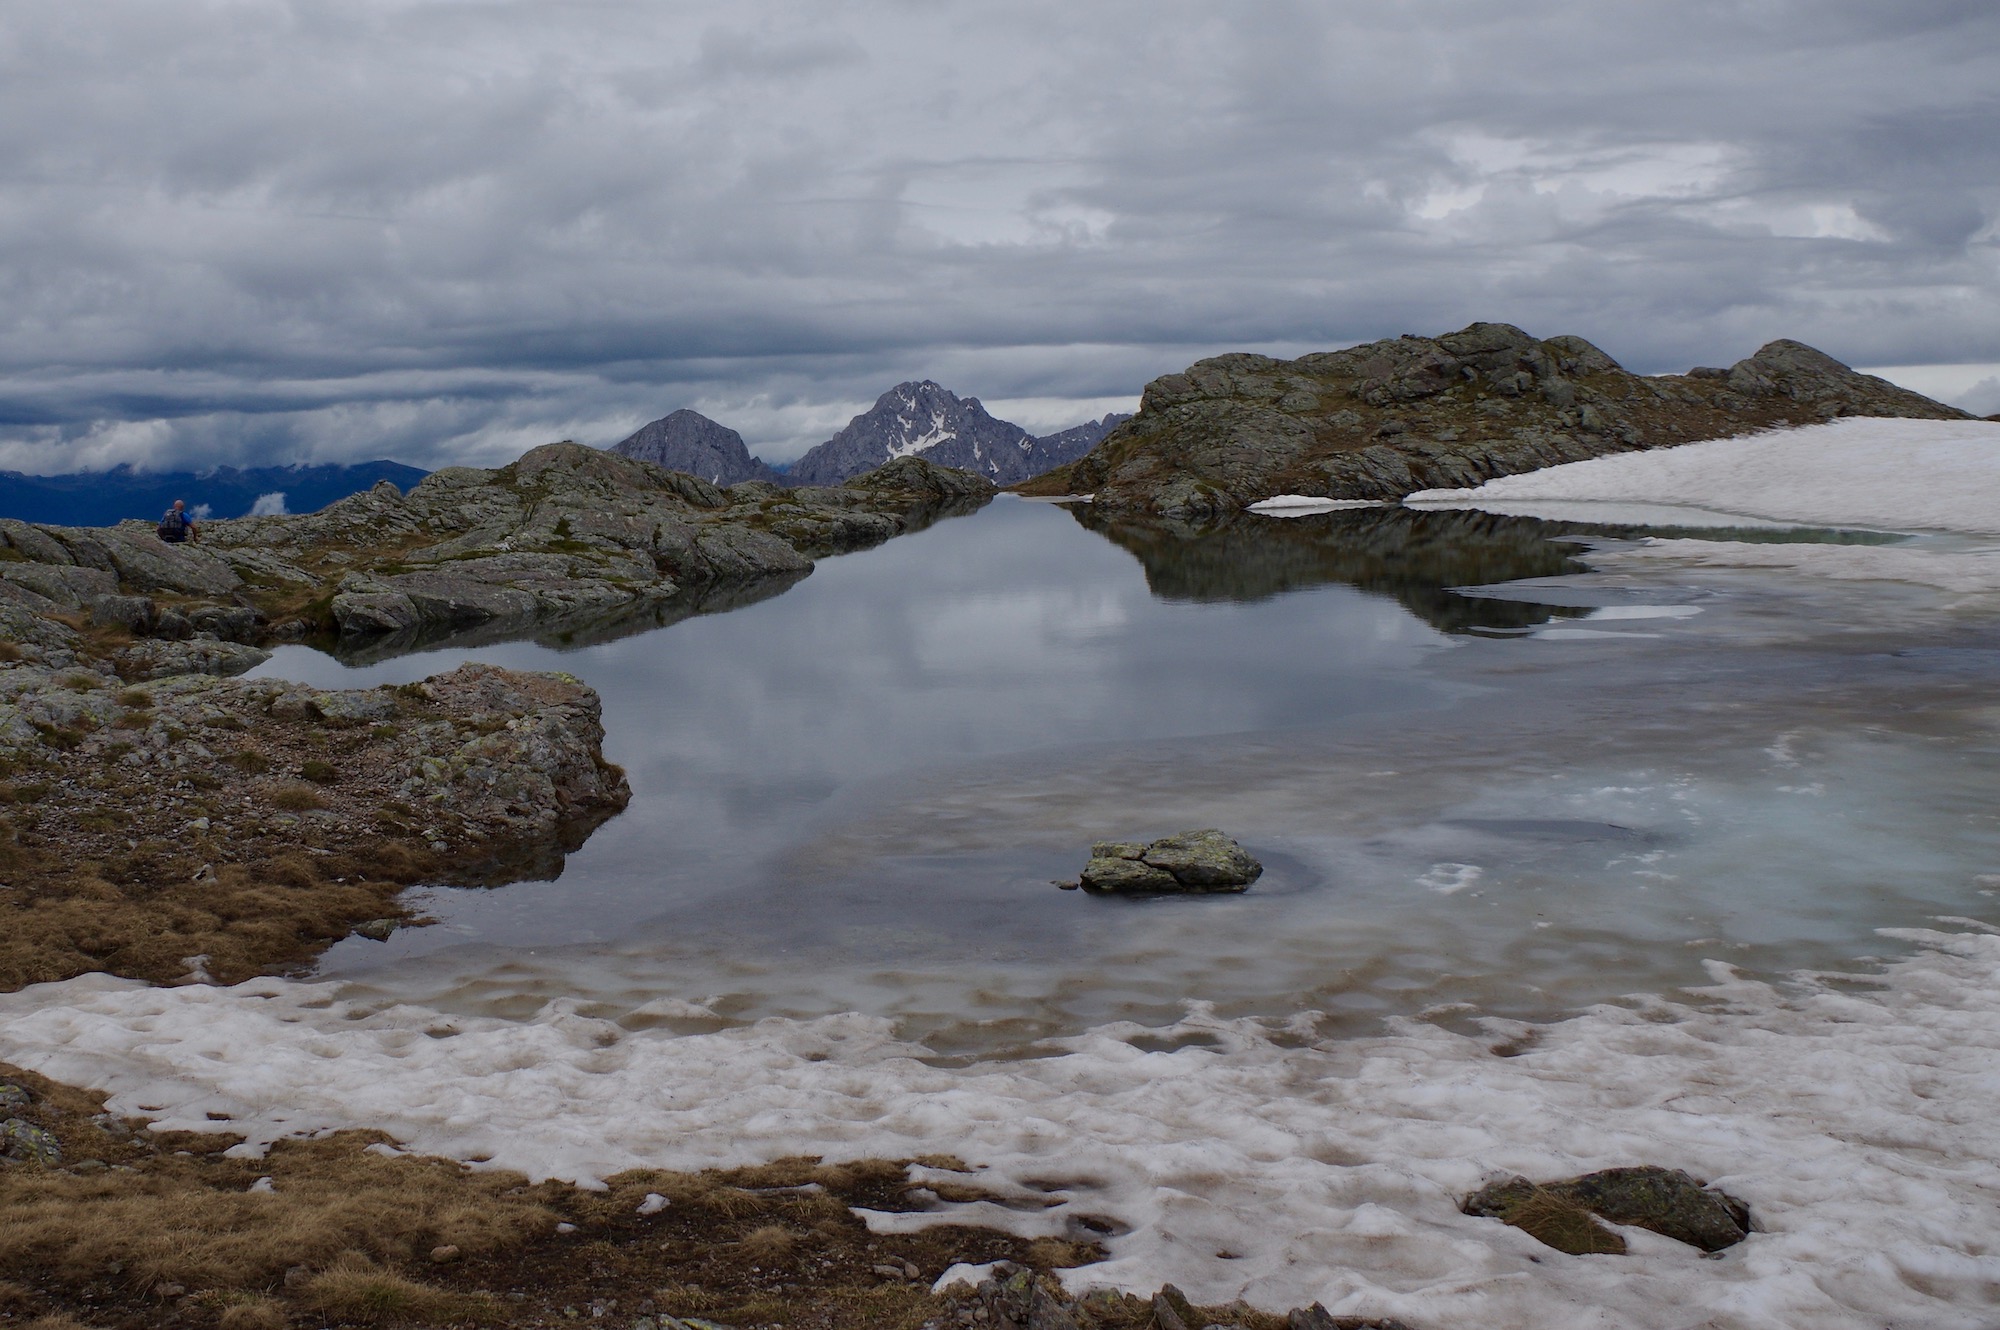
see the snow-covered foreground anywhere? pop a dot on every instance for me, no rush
(1941, 475)
(1855, 1116)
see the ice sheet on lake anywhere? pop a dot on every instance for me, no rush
(1961, 570)
(1893, 474)
(1854, 1116)
(1305, 505)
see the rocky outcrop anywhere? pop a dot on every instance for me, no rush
(1018, 1299)
(1190, 861)
(252, 821)
(25, 1143)
(1386, 419)
(1565, 1215)
(691, 442)
(567, 534)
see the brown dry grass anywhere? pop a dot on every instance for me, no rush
(192, 1221)
(246, 918)
(297, 798)
(345, 1235)
(768, 1242)
(256, 1313)
(1567, 1227)
(355, 1288)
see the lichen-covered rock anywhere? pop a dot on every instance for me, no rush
(1668, 1201)
(25, 1143)
(1120, 874)
(39, 638)
(1193, 861)
(524, 759)
(1543, 1215)
(354, 706)
(68, 586)
(1207, 860)
(1564, 1214)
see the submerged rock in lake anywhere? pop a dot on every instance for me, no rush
(1190, 861)
(1565, 1215)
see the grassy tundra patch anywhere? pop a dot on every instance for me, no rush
(141, 1229)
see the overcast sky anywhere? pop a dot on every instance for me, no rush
(447, 230)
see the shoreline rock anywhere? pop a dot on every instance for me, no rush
(255, 822)
(565, 534)
(158, 816)
(1392, 417)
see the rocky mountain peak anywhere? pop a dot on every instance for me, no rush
(689, 441)
(924, 419)
(920, 419)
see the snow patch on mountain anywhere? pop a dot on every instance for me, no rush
(923, 419)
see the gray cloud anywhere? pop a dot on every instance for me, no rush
(447, 231)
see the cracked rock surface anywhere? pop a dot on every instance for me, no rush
(1189, 861)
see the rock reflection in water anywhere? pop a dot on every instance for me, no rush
(570, 632)
(1417, 558)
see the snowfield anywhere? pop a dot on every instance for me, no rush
(1854, 1114)
(1903, 475)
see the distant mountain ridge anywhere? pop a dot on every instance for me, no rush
(916, 419)
(691, 442)
(103, 498)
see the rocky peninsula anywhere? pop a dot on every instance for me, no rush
(1389, 418)
(160, 817)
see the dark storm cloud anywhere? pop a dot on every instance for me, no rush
(448, 231)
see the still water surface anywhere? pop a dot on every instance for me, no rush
(853, 795)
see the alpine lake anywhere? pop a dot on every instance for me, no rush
(1484, 779)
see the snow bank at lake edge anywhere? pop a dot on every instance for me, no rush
(1854, 1117)
(1941, 475)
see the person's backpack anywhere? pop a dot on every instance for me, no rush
(173, 527)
